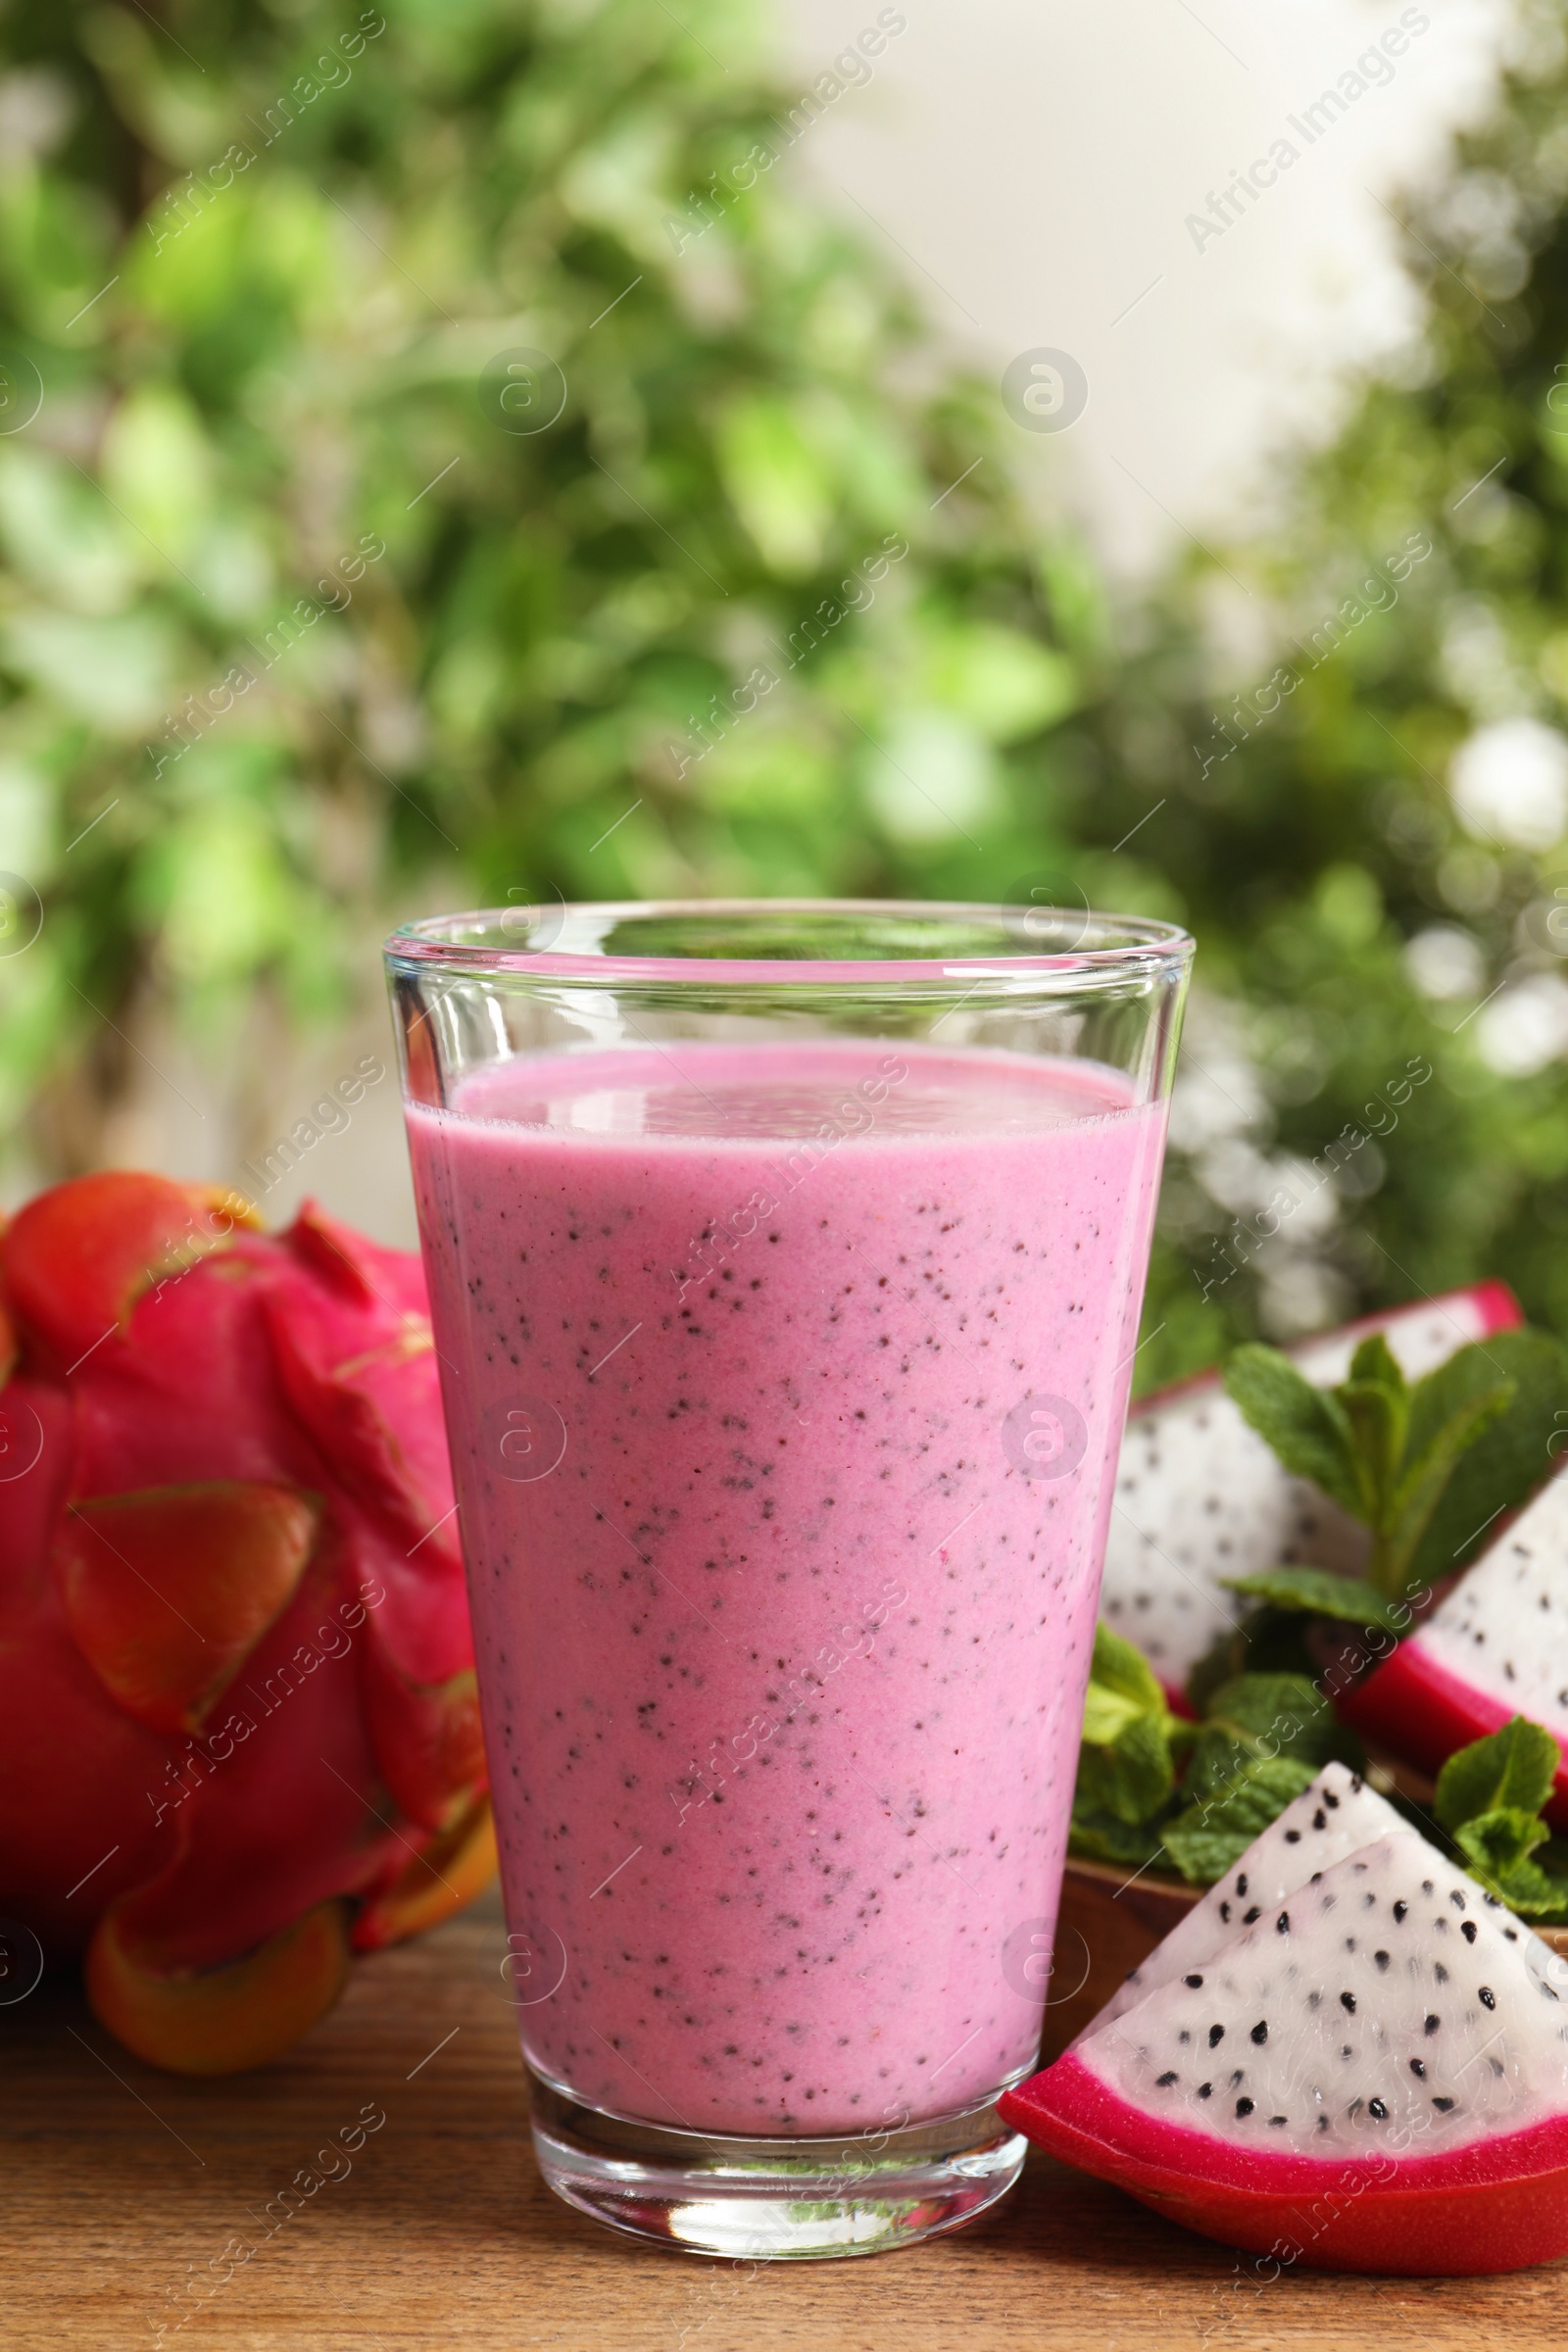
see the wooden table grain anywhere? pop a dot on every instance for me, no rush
(137, 2214)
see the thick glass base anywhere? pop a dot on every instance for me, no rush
(771, 2200)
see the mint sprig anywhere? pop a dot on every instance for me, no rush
(1424, 1465)
(1153, 1788)
(1489, 1798)
(1383, 1449)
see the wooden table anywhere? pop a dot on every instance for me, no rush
(123, 2188)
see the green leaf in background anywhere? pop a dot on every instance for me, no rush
(1306, 1426)
(1404, 990)
(1205, 1838)
(777, 482)
(1294, 1607)
(295, 495)
(1508, 1461)
(1512, 1769)
(1318, 1593)
(1379, 1006)
(1489, 1798)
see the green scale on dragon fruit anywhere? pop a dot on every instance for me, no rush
(1497, 1647)
(1372, 2075)
(1199, 1496)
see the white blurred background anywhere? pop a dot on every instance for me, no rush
(1037, 165)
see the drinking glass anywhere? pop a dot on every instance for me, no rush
(785, 1263)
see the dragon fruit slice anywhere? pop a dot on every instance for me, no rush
(1337, 1816)
(1199, 1496)
(241, 1737)
(1373, 2077)
(1496, 1647)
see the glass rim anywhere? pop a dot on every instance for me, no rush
(1141, 945)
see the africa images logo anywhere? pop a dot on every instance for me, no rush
(1045, 390)
(1045, 1437)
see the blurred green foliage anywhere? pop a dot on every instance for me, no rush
(311, 604)
(275, 269)
(1361, 927)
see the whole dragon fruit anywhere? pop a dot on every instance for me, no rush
(239, 1734)
(1363, 2067)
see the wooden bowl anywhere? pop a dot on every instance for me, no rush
(1109, 1924)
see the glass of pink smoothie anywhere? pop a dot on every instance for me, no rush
(785, 1261)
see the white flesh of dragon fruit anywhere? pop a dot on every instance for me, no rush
(1504, 1629)
(1337, 1816)
(1200, 1494)
(1388, 2001)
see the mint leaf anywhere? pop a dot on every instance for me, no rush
(1306, 1426)
(1416, 1497)
(1426, 1468)
(1117, 1666)
(1376, 1402)
(1507, 1461)
(1502, 1838)
(1488, 1797)
(1126, 1765)
(1218, 1757)
(1106, 1715)
(1467, 1373)
(1280, 1709)
(1206, 1839)
(1375, 1365)
(1317, 1593)
(1256, 1718)
(1268, 1641)
(1105, 1839)
(1377, 1423)
(1511, 1770)
(1132, 1779)
(1498, 1847)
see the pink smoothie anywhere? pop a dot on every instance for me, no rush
(785, 1385)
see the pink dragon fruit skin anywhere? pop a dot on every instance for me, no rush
(1495, 1647)
(235, 1669)
(1369, 2076)
(1199, 1496)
